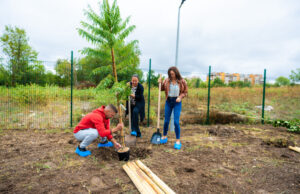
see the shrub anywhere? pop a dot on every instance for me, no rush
(203, 85)
(239, 84)
(30, 94)
(106, 83)
(104, 97)
(218, 83)
(293, 125)
(282, 81)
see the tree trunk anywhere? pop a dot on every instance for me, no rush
(118, 101)
(114, 65)
(75, 75)
(13, 73)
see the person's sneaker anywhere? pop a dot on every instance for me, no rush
(139, 135)
(106, 144)
(177, 146)
(82, 152)
(133, 133)
(164, 141)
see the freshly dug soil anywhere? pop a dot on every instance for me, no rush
(123, 149)
(213, 159)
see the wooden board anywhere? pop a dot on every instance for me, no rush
(140, 185)
(143, 176)
(145, 180)
(155, 178)
(296, 149)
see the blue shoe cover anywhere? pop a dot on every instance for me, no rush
(108, 144)
(133, 133)
(82, 153)
(177, 146)
(164, 141)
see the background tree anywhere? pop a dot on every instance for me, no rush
(85, 68)
(106, 31)
(35, 74)
(197, 84)
(193, 82)
(52, 79)
(4, 76)
(282, 81)
(22, 59)
(295, 75)
(218, 83)
(97, 66)
(240, 84)
(203, 84)
(63, 70)
(153, 78)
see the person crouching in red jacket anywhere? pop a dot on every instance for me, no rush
(96, 124)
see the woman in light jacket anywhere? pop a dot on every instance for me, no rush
(175, 88)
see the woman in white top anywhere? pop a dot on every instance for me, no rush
(175, 88)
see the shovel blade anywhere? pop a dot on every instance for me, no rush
(156, 137)
(130, 140)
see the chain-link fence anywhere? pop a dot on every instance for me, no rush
(34, 102)
(57, 100)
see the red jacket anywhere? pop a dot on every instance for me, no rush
(95, 120)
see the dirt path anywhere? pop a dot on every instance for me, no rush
(214, 159)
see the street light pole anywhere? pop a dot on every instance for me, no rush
(177, 40)
(172, 127)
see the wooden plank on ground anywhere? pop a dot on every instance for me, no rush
(145, 180)
(155, 178)
(140, 184)
(144, 176)
(296, 149)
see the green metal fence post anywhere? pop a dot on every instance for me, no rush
(263, 100)
(149, 85)
(71, 113)
(208, 97)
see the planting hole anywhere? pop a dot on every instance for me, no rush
(190, 170)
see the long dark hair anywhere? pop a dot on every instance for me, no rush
(176, 71)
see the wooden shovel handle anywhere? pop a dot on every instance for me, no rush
(129, 113)
(120, 121)
(158, 108)
(120, 114)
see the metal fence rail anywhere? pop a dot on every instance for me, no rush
(34, 106)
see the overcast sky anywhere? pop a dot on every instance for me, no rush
(243, 36)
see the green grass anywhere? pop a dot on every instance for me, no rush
(46, 107)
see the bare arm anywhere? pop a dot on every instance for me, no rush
(116, 144)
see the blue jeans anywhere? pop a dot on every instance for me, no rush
(135, 120)
(86, 136)
(169, 106)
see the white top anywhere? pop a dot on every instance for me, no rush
(133, 90)
(174, 90)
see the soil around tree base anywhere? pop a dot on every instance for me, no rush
(123, 149)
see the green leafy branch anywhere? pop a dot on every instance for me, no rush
(122, 90)
(293, 125)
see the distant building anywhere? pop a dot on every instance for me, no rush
(227, 77)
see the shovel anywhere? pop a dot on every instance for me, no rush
(130, 140)
(123, 152)
(155, 139)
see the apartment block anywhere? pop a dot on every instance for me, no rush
(254, 79)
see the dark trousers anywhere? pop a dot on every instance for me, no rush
(135, 120)
(169, 106)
